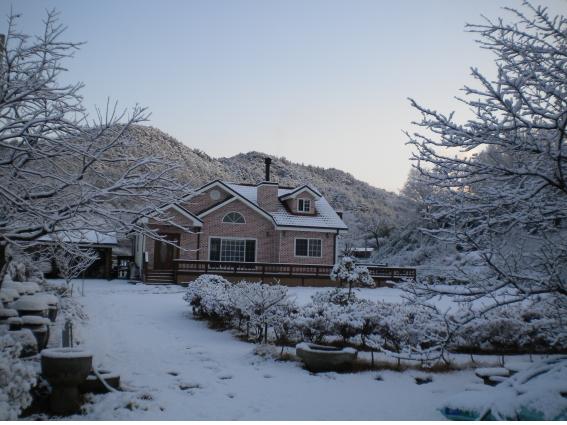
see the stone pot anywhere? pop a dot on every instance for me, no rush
(321, 358)
(16, 286)
(30, 288)
(30, 305)
(7, 295)
(65, 369)
(5, 314)
(52, 312)
(15, 323)
(93, 385)
(40, 328)
(52, 304)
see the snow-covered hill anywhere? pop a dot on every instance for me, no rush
(360, 202)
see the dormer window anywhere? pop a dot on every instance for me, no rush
(304, 205)
(233, 217)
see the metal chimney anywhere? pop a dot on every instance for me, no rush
(267, 161)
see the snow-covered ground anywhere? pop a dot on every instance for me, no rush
(175, 367)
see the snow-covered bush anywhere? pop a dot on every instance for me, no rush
(404, 331)
(514, 329)
(209, 296)
(16, 379)
(250, 306)
(347, 271)
(260, 304)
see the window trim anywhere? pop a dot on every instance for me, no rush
(303, 200)
(233, 238)
(233, 222)
(307, 256)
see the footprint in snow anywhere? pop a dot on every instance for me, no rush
(231, 395)
(173, 373)
(225, 377)
(268, 376)
(184, 386)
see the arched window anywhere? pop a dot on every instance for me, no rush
(233, 217)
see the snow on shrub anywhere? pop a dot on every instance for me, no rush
(514, 328)
(251, 306)
(208, 295)
(402, 330)
(260, 303)
(347, 271)
(16, 379)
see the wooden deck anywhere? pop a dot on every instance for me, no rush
(294, 274)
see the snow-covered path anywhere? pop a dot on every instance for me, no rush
(191, 372)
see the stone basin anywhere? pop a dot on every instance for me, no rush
(65, 369)
(321, 358)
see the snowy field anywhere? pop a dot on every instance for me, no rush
(175, 367)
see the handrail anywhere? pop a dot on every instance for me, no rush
(279, 269)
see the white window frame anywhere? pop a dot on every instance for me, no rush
(307, 256)
(233, 222)
(237, 238)
(303, 201)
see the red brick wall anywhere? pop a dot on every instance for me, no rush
(287, 247)
(268, 196)
(199, 202)
(257, 227)
(271, 246)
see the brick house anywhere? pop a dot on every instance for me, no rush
(262, 224)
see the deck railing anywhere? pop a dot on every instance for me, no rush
(282, 269)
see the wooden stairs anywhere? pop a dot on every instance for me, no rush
(159, 277)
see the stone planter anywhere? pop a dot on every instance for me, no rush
(321, 358)
(5, 314)
(16, 286)
(29, 305)
(15, 323)
(7, 295)
(39, 327)
(93, 385)
(65, 369)
(52, 304)
(30, 288)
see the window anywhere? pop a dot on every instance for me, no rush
(215, 195)
(308, 247)
(239, 250)
(304, 205)
(233, 217)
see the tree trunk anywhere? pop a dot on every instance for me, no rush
(3, 272)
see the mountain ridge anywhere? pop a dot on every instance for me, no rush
(361, 203)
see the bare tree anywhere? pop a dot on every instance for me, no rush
(60, 169)
(71, 260)
(380, 229)
(500, 178)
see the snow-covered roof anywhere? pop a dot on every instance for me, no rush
(90, 237)
(325, 217)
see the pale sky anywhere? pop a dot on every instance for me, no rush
(321, 82)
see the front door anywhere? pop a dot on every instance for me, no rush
(164, 253)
